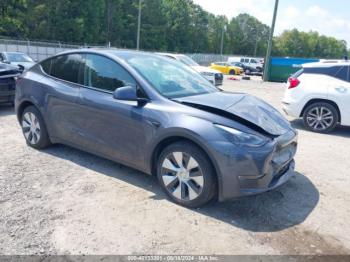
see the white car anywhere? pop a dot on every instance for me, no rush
(214, 76)
(320, 94)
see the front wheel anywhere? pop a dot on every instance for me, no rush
(232, 72)
(321, 117)
(34, 128)
(186, 175)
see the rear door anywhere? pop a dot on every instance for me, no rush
(62, 96)
(339, 91)
(108, 126)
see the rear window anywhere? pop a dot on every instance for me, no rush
(67, 67)
(343, 73)
(339, 72)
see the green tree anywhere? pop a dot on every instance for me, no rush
(167, 25)
(308, 44)
(12, 17)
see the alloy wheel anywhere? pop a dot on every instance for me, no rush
(31, 128)
(182, 176)
(320, 118)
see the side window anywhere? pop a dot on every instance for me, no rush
(343, 73)
(1, 58)
(103, 73)
(246, 60)
(46, 66)
(242, 60)
(67, 67)
(253, 61)
(339, 72)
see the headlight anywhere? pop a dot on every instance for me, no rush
(242, 138)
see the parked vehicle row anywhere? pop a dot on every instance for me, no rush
(248, 70)
(252, 62)
(161, 117)
(214, 76)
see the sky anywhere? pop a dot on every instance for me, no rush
(328, 17)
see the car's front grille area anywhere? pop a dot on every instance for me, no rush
(284, 154)
(7, 90)
(7, 84)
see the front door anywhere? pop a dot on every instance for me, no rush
(113, 128)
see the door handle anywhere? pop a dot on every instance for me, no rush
(341, 89)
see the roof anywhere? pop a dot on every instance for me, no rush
(328, 63)
(120, 53)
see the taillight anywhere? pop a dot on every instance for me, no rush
(293, 82)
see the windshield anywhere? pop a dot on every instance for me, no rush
(186, 60)
(18, 57)
(169, 77)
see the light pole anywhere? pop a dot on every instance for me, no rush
(222, 40)
(139, 26)
(269, 47)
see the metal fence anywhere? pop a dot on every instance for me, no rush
(40, 50)
(35, 49)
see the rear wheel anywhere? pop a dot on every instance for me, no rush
(186, 174)
(321, 117)
(34, 128)
(232, 72)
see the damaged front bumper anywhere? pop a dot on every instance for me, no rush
(256, 170)
(8, 75)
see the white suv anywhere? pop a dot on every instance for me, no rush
(320, 94)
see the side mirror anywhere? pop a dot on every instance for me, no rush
(128, 93)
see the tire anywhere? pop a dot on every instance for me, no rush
(232, 72)
(321, 117)
(190, 186)
(247, 72)
(34, 128)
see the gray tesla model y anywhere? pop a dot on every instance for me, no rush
(158, 116)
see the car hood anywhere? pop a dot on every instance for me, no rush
(247, 109)
(205, 69)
